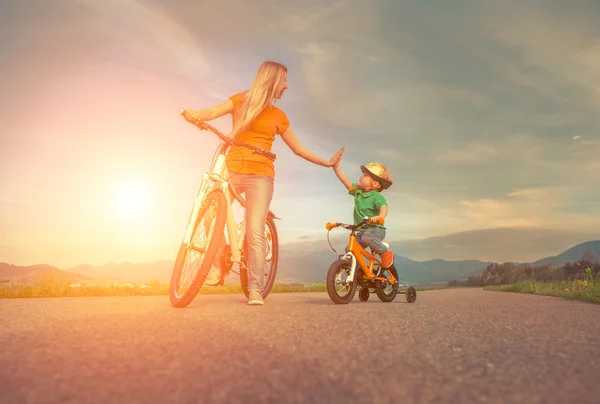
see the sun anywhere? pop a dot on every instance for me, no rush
(132, 200)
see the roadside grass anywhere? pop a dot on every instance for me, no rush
(53, 287)
(59, 287)
(586, 290)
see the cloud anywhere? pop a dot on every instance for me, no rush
(496, 245)
(420, 213)
(554, 207)
(561, 42)
(132, 23)
(309, 16)
(343, 61)
(375, 59)
(520, 208)
(485, 116)
(391, 154)
(319, 57)
(475, 152)
(341, 99)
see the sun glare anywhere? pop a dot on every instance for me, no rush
(132, 201)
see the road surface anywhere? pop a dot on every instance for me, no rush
(450, 346)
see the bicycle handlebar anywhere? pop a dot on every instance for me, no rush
(204, 126)
(331, 226)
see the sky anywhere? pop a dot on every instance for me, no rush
(487, 114)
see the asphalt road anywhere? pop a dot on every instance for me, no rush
(450, 346)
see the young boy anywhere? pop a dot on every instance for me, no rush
(369, 202)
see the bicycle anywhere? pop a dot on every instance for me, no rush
(214, 202)
(368, 276)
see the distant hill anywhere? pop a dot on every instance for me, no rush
(571, 255)
(14, 274)
(496, 245)
(129, 272)
(303, 262)
(311, 267)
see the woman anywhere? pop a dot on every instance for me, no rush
(256, 120)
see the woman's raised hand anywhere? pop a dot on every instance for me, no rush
(190, 113)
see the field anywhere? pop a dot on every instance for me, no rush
(56, 287)
(583, 290)
(574, 280)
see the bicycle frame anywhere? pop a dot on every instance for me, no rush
(357, 254)
(219, 176)
(218, 191)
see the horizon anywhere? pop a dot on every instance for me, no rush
(488, 120)
(110, 263)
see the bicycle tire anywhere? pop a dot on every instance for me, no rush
(189, 295)
(335, 267)
(381, 285)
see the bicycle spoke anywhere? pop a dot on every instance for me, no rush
(342, 282)
(197, 250)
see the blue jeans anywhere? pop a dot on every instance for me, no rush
(258, 190)
(372, 237)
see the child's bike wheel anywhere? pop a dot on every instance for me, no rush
(411, 294)
(385, 290)
(338, 292)
(271, 260)
(194, 262)
(363, 295)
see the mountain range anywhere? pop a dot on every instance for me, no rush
(572, 254)
(302, 262)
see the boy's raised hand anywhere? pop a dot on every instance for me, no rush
(335, 160)
(338, 172)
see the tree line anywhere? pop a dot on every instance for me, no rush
(509, 272)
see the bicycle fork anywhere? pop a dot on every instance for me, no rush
(350, 256)
(215, 176)
(195, 210)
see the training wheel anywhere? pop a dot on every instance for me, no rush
(363, 295)
(411, 294)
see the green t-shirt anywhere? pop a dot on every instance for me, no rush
(366, 204)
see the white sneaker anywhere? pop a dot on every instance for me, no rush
(255, 298)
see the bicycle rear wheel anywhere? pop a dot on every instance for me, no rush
(271, 260)
(387, 291)
(194, 261)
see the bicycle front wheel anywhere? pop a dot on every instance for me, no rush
(340, 289)
(194, 261)
(271, 260)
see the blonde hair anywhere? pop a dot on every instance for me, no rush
(267, 82)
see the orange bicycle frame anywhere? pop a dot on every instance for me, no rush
(367, 270)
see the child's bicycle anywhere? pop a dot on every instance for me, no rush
(205, 232)
(343, 277)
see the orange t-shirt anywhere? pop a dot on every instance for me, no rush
(261, 133)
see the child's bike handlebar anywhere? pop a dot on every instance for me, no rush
(330, 226)
(204, 126)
